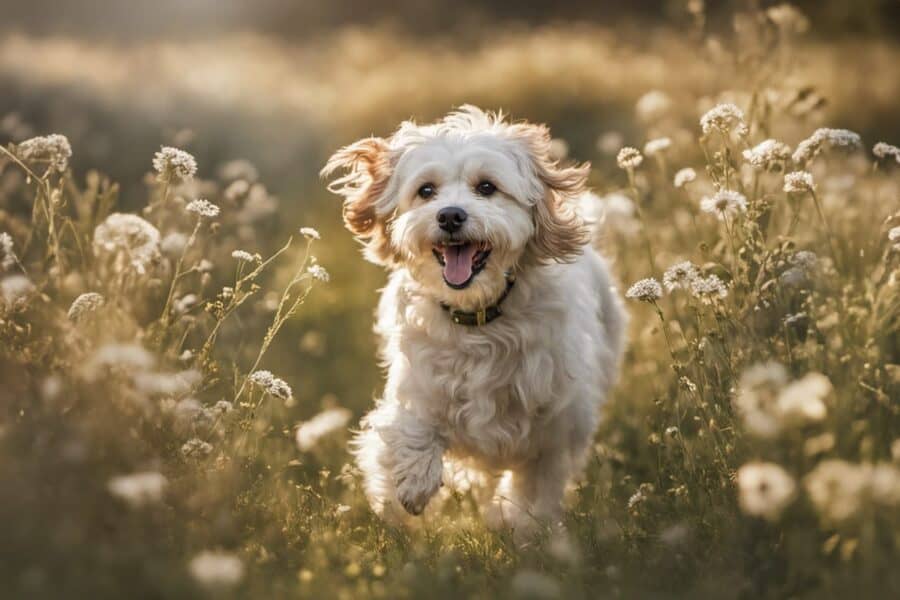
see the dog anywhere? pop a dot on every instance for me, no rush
(501, 331)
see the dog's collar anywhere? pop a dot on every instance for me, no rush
(482, 316)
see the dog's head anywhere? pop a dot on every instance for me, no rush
(462, 202)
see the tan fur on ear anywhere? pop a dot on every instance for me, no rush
(560, 233)
(368, 171)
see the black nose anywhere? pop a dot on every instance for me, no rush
(451, 218)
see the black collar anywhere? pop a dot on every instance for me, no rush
(483, 316)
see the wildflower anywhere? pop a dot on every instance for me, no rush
(641, 494)
(239, 169)
(610, 142)
(168, 384)
(687, 384)
(615, 211)
(883, 150)
(15, 290)
(768, 154)
(53, 149)
(657, 146)
(123, 357)
(127, 240)
(894, 237)
(196, 447)
(318, 273)
(8, 256)
(171, 163)
(216, 569)
(884, 484)
(245, 256)
(723, 118)
(708, 289)
(645, 290)
(237, 189)
(652, 105)
(680, 276)
(325, 423)
(799, 182)
(223, 407)
(173, 243)
(629, 158)
(684, 177)
(138, 489)
(310, 233)
(756, 397)
(203, 208)
(272, 385)
(802, 400)
(84, 306)
(724, 203)
(836, 488)
(765, 489)
(825, 138)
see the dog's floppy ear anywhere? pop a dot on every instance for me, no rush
(560, 233)
(368, 170)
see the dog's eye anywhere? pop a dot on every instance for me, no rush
(426, 191)
(485, 188)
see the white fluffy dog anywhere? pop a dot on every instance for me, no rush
(501, 330)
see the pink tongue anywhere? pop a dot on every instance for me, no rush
(458, 263)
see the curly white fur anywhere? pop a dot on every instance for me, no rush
(517, 398)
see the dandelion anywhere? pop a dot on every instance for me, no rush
(84, 306)
(128, 241)
(684, 177)
(171, 163)
(53, 149)
(799, 182)
(629, 158)
(769, 154)
(318, 272)
(15, 290)
(883, 150)
(803, 400)
(203, 208)
(8, 256)
(724, 204)
(323, 424)
(657, 146)
(310, 233)
(765, 489)
(825, 138)
(216, 569)
(836, 489)
(680, 276)
(709, 289)
(645, 290)
(138, 489)
(272, 385)
(652, 105)
(723, 118)
(195, 447)
(245, 256)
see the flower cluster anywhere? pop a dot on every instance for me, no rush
(272, 385)
(823, 139)
(128, 241)
(646, 290)
(629, 158)
(202, 208)
(799, 182)
(84, 306)
(768, 155)
(724, 204)
(174, 164)
(723, 118)
(53, 149)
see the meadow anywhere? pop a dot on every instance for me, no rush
(185, 348)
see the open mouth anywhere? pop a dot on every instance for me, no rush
(461, 261)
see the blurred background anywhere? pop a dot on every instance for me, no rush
(283, 84)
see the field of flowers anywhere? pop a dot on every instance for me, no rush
(182, 357)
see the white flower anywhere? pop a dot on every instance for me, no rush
(756, 397)
(217, 569)
(325, 423)
(168, 384)
(684, 177)
(629, 158)
(765, 489)
(85, 305)
(318, 272)
(884, 484)
(883, 150)
(203, 208)
(245, 256)
(172, 163)
(799, 182)
(652, 105)
(310, 233)
(656, 146)
(53, 149)
(837, 489)
(127, 241)
(646, 290)
(825, 138)
(768, 154)
(130, 358)
(272, 385)
(894, 237)
(610, 142)
(138, 489)
(680, 276)
(173, 243)
(15, 290)
(196, 447)
(724, 203)
(8, 256)
(723, 118)
(239, 169)
(708, 289)
(802, 401)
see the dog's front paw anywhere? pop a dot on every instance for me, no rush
(417, 484)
